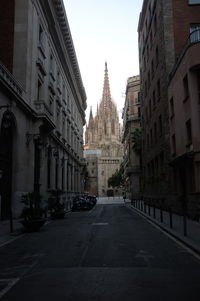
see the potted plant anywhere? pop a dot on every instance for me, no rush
(56, 208)
(32, 213)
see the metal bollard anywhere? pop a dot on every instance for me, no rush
(161, 215)
(149, 210)
(184, 225)
(154, 211)
(170, 219)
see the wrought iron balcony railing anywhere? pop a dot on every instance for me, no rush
(194, 38)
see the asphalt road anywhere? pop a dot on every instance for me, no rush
(109, 253)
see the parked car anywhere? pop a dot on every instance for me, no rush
(92, 199)
(81, 203)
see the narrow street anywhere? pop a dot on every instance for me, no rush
(109, 252)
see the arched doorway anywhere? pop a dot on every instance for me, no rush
(6, 157)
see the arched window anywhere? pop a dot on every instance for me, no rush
(105, 128)
(113, 127)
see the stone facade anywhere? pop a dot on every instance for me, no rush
(42, 106)
(131, 123)
(103, 136)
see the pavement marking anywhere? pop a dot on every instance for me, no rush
(92, 209)
(100, 224)
(11, 282)
(176, 240)
(11, 240)
(145, 256)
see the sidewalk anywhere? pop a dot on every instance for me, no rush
(186, 231)
(6, 235)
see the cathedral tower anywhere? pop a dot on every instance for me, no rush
(102, 139)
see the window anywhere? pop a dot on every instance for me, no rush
(185, 88)
(139, 112)
(160, 125)
(150, 110)
(194, 32)
(157, 56)
(147, 116)
(39, 90)
(145, 89)
(151, 137)
(152, 69)
(193, 1)
(188, 133)
(151, 40)
(51, 63)
(161, 162)
(155, 132)
(147, 141)
(154, 100)
(173, 145)
(113, 127)
(155, 24)
(41, 34)
(149, 79)
(172, 107)
(158, 90)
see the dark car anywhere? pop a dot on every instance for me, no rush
(92, 199)
(81, 203)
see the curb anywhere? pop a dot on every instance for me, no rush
(195, 248)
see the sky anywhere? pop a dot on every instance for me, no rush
(105, 31)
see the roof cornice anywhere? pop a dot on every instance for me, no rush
(65, 29)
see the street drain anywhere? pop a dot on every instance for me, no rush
(100, 224)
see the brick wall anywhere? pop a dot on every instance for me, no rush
(7, 8)
(184, 15)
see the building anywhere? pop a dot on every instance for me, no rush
(103, 149)
(42, 105)
(164, 26)
(184, 117)
(131, 126)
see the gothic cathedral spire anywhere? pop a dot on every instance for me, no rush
(106, 102)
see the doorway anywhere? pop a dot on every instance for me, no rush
(6, 157)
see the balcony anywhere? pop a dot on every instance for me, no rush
(45, 114)
(7, 78)
(193, 39)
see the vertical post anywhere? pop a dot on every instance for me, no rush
(149, 210)
(170, 218)
(184, 224)
(11, 219)
(161, 214)
(154, 211)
